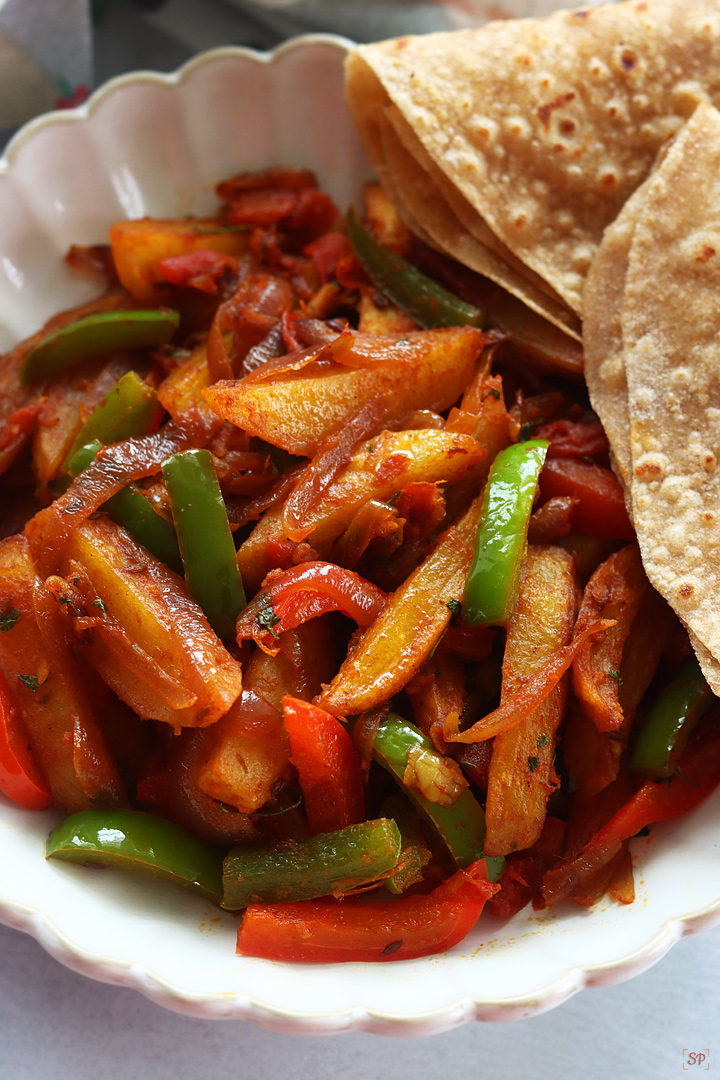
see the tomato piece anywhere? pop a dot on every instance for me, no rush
(20, 778)
(324, 756)
(601, 508)
(200, 269)
(323, 932)
(326, 253)
(569, 438)
(301, 209)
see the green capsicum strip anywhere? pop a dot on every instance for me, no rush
(492, 584)
(206, 543)
(126, 412)
(149, 845)
(103, 332)
(415, 854)
(462, 824)
(328, 864)
(672, 717)
(131, 509)
(428, 303)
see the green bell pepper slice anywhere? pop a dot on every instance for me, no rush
(103, 332)
(130, 508)
(206, 543)
(126, 412)
(492, 584)
(668, 724)
(428, 303)
(462, 824)
(140, 842)
(328, 864)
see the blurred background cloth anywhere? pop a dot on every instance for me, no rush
(52, 52)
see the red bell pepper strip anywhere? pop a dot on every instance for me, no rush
(20, 778)
(323, 754)
(601, 509)
(320, 932)
(292, 597)
(697, 776)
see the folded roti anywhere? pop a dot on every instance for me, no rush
(545, 127)
(671, 346)
(604, 348)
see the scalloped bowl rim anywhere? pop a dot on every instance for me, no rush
(243, 1005)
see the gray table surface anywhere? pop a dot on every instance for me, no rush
(55, 1024)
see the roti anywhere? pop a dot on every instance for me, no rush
(671, 344)
(545, 127)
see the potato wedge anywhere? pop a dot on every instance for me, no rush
(147, 623)
(379, 469)
(247, 751)
(297, 410)
(50, 691)
(397, 644)
(140, 246)
(521, 772)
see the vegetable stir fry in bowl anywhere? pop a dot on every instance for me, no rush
(318, 595)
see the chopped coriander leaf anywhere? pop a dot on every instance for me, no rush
(616, 676)
(494, 393)
(543, 740)
(533, 763)
(31, 681)
(100, 603)
(8, 619)
(268, 619)
(526, 430)
(455, 606)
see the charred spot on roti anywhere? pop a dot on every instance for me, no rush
(650, 467)
(628, 60)
(708, 252)
(545, 112)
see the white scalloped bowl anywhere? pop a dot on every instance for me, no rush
(150, 144)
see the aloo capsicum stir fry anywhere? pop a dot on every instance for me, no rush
(317, 593)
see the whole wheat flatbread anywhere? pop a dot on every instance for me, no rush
(546, 127)
(671, 344)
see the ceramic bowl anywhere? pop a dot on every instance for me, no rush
(152, 144)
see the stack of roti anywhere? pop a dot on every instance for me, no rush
(575, 161)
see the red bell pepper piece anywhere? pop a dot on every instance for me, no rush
(322, 932)
(323, 754)
(469, 642)
(601, 509)
(199, 269)
(292, 597)
(20, 778)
